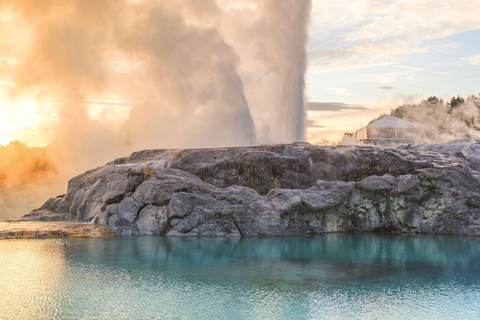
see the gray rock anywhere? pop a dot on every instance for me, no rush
(52, 210)
(279, 190)
(153, 220)
(375, 183)
(128, 209)
(325, 194)
(117, 221)
(44, 215)
(112, 208)
(209, 217)
(103, 218)
(406, 184)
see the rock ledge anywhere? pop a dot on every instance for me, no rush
(279, 190)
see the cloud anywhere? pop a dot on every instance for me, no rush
(385, 88)
(312, 124)
(337, 91)
(357, 34)
(472, 60)
(332, 106)
(409, 68)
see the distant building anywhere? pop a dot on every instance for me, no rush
(391, 130)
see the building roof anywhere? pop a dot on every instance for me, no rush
(392, 122)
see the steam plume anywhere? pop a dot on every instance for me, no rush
(442, 122)
(193, 82)
(272, 46)
(195, 74)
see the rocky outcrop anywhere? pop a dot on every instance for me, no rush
(279, 190)
(53, 210)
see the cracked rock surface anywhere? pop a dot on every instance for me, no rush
(279, 190)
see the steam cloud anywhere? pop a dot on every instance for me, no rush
(442, 122)
(198, 73)
(272, 44)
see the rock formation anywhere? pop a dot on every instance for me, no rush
(279, 190)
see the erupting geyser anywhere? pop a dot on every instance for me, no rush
(215, 74)
(271, 44)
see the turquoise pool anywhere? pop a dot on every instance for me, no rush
(334, 276)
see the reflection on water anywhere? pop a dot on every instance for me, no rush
(331, 276)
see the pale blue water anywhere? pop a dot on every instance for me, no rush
(335, 276)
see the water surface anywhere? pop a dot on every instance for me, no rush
(334, 276)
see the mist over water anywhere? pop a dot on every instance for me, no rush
(114, 76)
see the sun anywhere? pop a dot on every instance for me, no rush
(15, 117)
(6, 126)
(6, 139)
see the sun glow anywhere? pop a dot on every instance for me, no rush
(31, 119)
(17, 118)
(6, 125)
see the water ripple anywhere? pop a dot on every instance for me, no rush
(327, 277)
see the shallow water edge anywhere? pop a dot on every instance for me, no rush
(57, 229)
(66, 229)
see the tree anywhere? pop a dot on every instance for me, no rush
(434, 100)
(399, 112)
(455, 102)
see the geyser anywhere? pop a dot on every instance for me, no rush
(215, 74)
(271, 44)
(223, 73)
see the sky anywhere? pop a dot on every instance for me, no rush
(371, 56)
(364, 58)
(94, 80)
